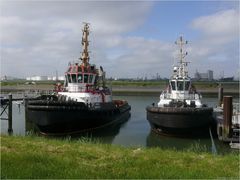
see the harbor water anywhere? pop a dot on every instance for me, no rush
(136, 131)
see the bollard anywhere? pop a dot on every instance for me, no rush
(227, 116)
(220, 95)
(10, 130)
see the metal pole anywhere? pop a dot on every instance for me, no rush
(10, 130)
(27, 122)
(227, 116)
(220, 95)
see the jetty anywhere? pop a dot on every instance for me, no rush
(227, 118)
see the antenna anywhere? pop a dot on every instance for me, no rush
(181, 42)
(56, 75)
(85, 53)
(182, 69)
(86, 23)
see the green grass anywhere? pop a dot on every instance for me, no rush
(132, 83)
(36, 157)
(138, 83)
(163, 83)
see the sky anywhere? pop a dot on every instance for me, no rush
(129, 39)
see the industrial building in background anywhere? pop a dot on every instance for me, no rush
(208, 76)
(45, 78)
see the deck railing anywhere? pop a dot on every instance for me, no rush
(181, 96)
(236, 113)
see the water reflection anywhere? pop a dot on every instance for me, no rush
(198, 143)
(102, 135)
(165, 141)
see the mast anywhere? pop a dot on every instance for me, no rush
(180, 42)
(85, 54)
(182, 68)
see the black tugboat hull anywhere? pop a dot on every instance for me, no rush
(175, 119)
(67, 118)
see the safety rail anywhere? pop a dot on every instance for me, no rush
(181, 96)
(236, 114)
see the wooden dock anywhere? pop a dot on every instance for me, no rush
(228, 121)
(6, 105)
(6, 108)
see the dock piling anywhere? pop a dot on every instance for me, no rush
(10, 130)
(227, 116)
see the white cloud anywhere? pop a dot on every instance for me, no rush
(49, 33)
(42, 37)
(223, 23)
(142, 57)
(217, 46)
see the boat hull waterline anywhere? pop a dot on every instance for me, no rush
(177, 119)
(74, 117)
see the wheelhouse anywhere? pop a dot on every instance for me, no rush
(180, 85)
(86, 78)
(80, 78)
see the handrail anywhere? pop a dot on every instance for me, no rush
(190, 96)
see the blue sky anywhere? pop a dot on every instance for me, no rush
(167, 19)
(128, 38)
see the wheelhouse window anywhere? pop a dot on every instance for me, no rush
(85, 78)
(90, 78)
(173, 85)
(187, 84)
(74, 78)
(79, 78)
(180, 85)
(94, 77)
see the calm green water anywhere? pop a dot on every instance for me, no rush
(136, 131)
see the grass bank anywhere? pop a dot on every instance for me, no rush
(36, 157)
(128, 83)
(149, 88)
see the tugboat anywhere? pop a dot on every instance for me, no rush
(180, 108)
(84, 103)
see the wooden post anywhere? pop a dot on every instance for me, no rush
(10, 130)
(227, 116)
(220, 95)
